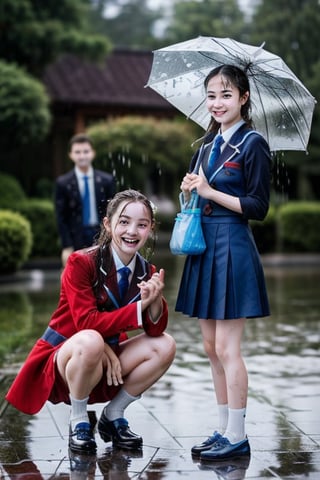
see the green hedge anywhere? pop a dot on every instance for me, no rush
(41, 216)
(299, 227)
(265, 233)
(11, 191)
(15, 241)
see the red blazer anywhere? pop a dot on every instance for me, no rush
(81, 307)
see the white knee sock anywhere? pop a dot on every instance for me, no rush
(78, 411)
(223, 417)
(235, 431)
(115, 409)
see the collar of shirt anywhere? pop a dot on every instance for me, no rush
(118, 263)
(79, 175)
(227, 134)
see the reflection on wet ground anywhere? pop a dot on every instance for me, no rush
(283, 423)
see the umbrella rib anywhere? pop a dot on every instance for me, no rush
(197, 108)
(285, 108)
(282, 105)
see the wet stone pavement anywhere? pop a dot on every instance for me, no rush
(283, 421)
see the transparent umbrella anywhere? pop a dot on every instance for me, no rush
(282, 107)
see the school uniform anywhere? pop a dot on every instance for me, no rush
(83, 305)
(69, 208)
(227, 280)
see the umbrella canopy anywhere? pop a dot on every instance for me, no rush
(282, 107)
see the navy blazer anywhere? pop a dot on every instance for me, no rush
(68, 205)
(243, 170)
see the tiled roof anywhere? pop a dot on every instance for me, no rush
(120, 81)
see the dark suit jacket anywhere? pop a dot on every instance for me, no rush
(68, 205)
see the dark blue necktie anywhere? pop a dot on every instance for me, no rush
(124, 280)
(215, 152)
(86, 201)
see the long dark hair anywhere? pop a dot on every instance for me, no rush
(236, 77)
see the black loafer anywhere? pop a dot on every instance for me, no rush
(119, 432)
(206, 445)
(81, 439)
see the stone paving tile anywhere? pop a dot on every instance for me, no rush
(279, 447)
(283, 425)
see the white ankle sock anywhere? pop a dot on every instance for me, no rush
(115, 409)
(235, 431)
(78, 411)
(223, 417)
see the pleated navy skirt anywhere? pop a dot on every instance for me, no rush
(227, 280)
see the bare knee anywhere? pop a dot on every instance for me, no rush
(88, 346)
(210, 350)
(226, 354)
(165, 347)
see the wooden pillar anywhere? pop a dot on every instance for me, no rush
(80, 125)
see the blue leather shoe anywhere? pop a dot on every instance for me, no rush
(224, 449)
(206, 445)
(81, 439)
(119, 432)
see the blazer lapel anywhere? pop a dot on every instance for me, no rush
(139, 275)
(231, 148)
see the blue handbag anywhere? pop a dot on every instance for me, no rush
(187, 236)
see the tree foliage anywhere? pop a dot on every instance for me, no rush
(220, 18)
(34, 32)
(290, 29)
(24, 107)
(133, 24)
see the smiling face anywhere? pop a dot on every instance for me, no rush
(130, 227)
(82, 154)
(224, 101)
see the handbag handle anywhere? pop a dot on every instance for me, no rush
(191, 204)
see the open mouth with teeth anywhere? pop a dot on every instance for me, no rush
(130, 241)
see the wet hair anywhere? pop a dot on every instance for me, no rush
(125, 197)
(79, 138)
(236, 77)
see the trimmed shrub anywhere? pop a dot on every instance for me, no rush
(24, 105)
(15, 241)
(299, 226)
(143, 152)
(265, 232)
(41, 215)
(11, 191)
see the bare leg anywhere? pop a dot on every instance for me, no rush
(80, 362)
(144, 360)
(208, 330)
(228, 349)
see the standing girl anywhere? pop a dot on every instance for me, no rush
(225, 285)
(84, 355)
